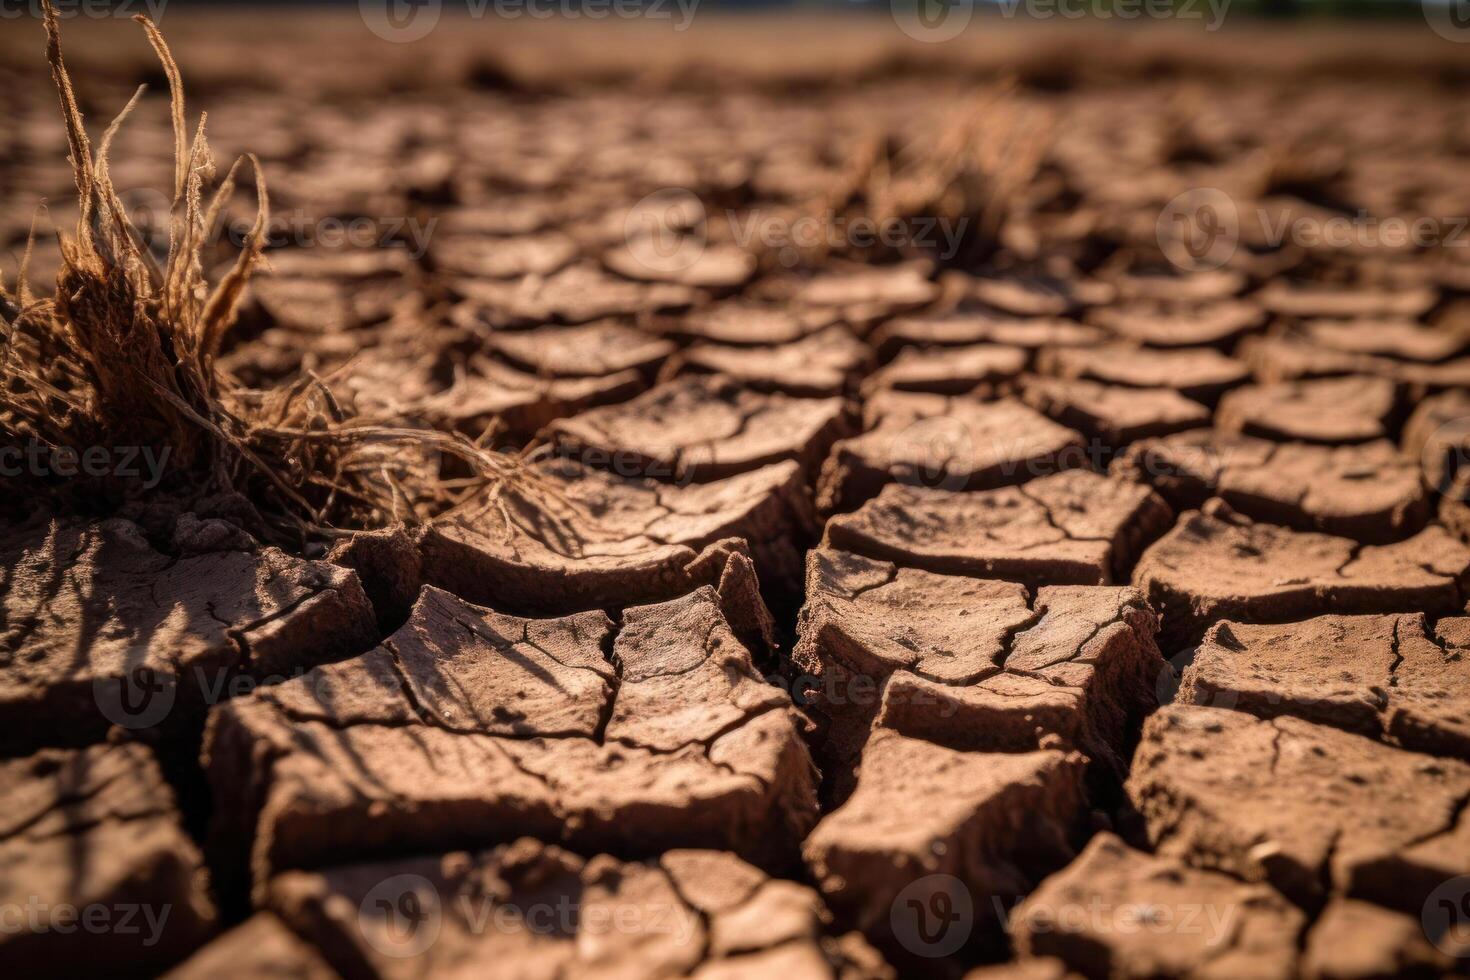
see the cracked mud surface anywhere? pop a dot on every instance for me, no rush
(851, 592)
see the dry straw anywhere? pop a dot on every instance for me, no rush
(125, 353)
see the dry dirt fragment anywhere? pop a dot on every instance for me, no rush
(1217, 565)
(528, 909)
(1117, 913)
(262, 948)
(1369, 492)
(704, 429)
(1113, 415)
(970, 664)
(966, 329)
(96, 827)
(977, 368)
(1213, 324)
(577, 294)
(864, 294)
(590, 350)
(717, 267)
(1437, 438)
(1379, 676)
(489, 391)
(993, 821)
(620, 540)
(468, 726)
(1075, 528)
(1202, 374)
(1311, 810)
(1353, 940)
(742, 323)
(1311, 300)
(1400, 339)
(821, 365)
(102, 629)
(944, 443)
(1332, 411)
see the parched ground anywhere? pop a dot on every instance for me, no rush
(1037, 592)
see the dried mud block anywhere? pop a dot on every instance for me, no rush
(580, 537)
(1113, 415)
(920, 811)
(1218, 565)
(1196, 287)
(1310, 810)
(822, 365)
(593, 350)
(101, 629)
(1386, 677)
(1331, 411)
(951, 370)
(1117, 913)
(971, 664)
(945, 444)
(577, 294)
(1036, 297)
(1308, 300)
(1038, 969)
(261, 947)
(528, 909)
(522, 404)
(1402, 340)
(866, 294)
(1291, 357)
(94, 866)
(1203, 374)
(1353, 940)
(468, 727)
(742, 323)
(704, 428)
(482, 257)
(1367, 492)
(966, 329)
(1216, 324)
(714, 267)
(1073, 528)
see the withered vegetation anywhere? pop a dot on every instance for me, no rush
(124, 354)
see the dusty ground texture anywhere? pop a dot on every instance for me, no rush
(1021, 595)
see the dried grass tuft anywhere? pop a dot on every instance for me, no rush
(124, 354)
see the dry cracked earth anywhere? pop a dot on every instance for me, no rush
(1034, 609)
